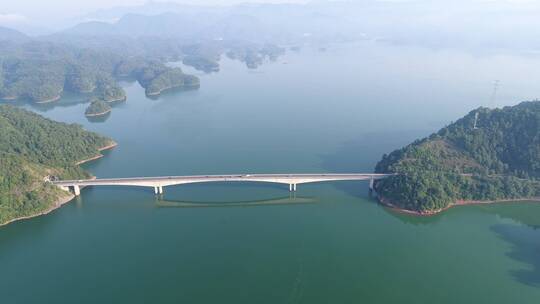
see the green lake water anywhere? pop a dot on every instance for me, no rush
(309, 111)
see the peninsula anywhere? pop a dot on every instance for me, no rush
(97, 108)
(490, 155)
(35, 150)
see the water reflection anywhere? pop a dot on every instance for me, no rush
(287, 200)
(525, 213)
(525, 249)
(23, 232)
(524, 237)
(361, 154)
(68, 100)
(413, 219)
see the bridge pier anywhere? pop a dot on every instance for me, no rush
(160, 188)
(371, 181)
(76, 190)
(292, 187)
(156, 190)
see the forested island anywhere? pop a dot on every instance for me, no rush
(156, 78)
(254, 56)
(41, 71)
(97, 108)
(487, 156)
(202, 63)
(34, 149)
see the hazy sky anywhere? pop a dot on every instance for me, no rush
(38, 15)
(18, 11)
(31, 7)
(41, 16)
(10, 9)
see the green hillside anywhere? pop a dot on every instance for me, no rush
(498, 159)
(32, 148)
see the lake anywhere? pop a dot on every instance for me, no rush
(311, 111)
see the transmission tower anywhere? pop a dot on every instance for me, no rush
(496, 85)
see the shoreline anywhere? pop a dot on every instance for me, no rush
(53, 99)
(386, 203)
(64, 199)
(157, 93)
(9, 98)
(108, 147)
(122, 99)
(57, 204)
(99, 114)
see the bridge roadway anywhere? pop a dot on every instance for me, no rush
(159, 182)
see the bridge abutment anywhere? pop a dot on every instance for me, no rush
(76, 190)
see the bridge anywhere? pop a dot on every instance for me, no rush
(159, 182)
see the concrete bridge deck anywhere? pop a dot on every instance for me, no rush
(159, 182)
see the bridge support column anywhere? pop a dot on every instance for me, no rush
(290, 187)
(76, 190)
(156, 190)
(294, 187)
(160, 189)
(371, 181)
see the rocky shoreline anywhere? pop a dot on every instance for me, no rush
(61, 201)
(53, 99)
(157, 93)
(387, 203)
(108, 147)
(121, 99)
(98, 114)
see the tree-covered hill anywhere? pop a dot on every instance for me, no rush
(7, 34)
(497, 158)
(41, 71)
(156, 78)
(97, 108)
(33, 147)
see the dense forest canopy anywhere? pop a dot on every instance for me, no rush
(41, 71)
(97, 107)
(31, 148)
(490, 154)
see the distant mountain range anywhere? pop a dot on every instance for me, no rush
(471, 25)
(258, 23)
(462, 24)
(7, 34)
(184, 26)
